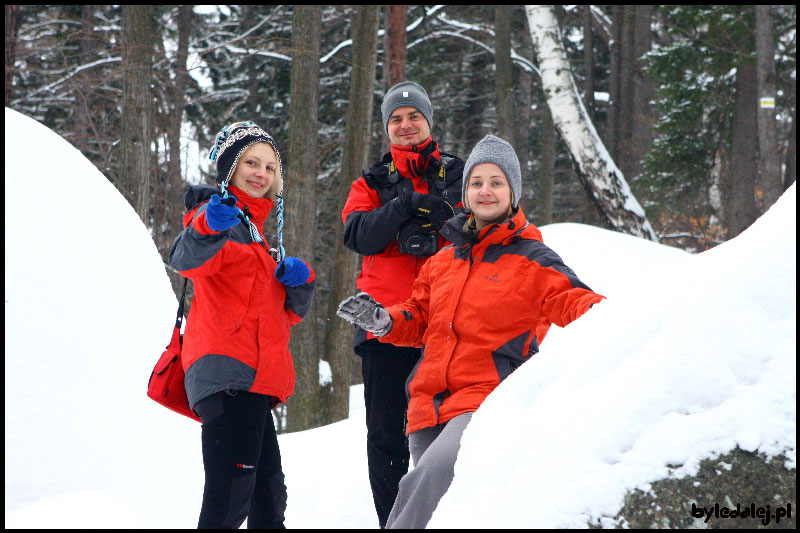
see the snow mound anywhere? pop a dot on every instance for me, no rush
(88, 310)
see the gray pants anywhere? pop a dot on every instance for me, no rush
(434, 451)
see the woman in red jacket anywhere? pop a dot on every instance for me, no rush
(478, 310)
(236, 344)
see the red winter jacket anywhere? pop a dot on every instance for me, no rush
(479, 309)
(237, 331)
(372, 219)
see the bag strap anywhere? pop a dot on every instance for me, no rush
(179, 319)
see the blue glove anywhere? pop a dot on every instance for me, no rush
(222, 214)
(292, 272)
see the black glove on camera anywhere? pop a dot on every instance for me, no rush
(432, 208)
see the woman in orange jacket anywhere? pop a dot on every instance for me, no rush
(478, 310)
(236, 344)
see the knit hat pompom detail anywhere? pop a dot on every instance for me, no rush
(231, 142)
(495, 150)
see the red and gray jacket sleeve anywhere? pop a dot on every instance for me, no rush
(298, 298)
(195, 253)
(370, 227)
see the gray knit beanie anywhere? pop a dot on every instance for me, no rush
(495, 150)
(406, 94)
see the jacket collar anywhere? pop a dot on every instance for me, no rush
(501, 232)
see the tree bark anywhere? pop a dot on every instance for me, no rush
(12, 27)
(769, 162)
(137, 107)
(396, 43)
(614, 84)
(625, 135)
(596, 170)
(790, 174)
(338, 333)
(173, 183)
(742, 212)
(503, 77)
(548, 168)
(300, 205)
(523, 115)
(643, 89)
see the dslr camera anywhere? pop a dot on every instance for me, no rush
(418, 237)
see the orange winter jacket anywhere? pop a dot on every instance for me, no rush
(237, 331)
(478, 310)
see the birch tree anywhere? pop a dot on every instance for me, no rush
(596, 170)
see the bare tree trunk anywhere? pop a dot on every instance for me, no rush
(81, 124)
(625, 134)
(137, 107)
(643, 90)
(548, 166)
(394, 57)
(790, 174)
(769, 163)
(12, 27)
(596, 170)
(523, 119)
(300, 184)
(742, 212)
(615, 54)
(338, 333)
(396, 43)
(503, 77)
(174, 182)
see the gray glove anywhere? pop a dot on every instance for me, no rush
(365, 312)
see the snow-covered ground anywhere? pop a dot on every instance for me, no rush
(690, 356)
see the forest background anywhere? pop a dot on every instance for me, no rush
(694, 104)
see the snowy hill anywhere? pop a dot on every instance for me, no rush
(690, 356)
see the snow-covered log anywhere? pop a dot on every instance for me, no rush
(595, 168)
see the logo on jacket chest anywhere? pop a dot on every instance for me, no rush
(495, 278)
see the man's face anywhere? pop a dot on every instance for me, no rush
(407, 127)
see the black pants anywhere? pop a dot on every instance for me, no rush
(385, 368)
(244, 478)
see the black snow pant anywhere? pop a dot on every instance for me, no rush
(243, 474)
(385, 368)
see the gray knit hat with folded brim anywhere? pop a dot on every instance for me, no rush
(406, 94)
(495, 150)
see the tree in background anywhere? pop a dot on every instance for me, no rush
(300, 201)
(595, 168)
(700, 178)
(338, 349)
(137, 108)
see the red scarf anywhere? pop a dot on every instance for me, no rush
(411, 161)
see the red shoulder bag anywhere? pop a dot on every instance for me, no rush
(166, 381)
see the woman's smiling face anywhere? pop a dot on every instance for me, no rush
(488, 194)
(255, 171)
